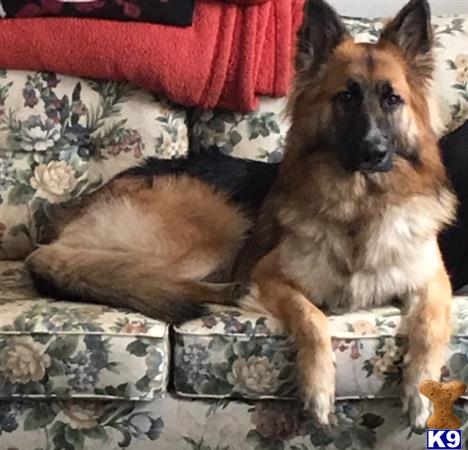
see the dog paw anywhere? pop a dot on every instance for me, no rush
(417, 407)
(319, 393)
(321, 406)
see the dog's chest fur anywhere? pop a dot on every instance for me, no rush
(342, 267)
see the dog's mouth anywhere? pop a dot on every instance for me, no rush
(360, 162)
(384, 165)
(367, 168)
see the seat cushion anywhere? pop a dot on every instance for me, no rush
(236, 354)
(72, 350)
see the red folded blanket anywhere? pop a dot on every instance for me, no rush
(228, 57)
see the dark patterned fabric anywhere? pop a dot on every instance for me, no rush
(171, 12)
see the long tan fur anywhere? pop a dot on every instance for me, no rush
(153, 248)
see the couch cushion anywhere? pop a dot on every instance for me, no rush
(72, 350)
(237, 354)
(61, 137)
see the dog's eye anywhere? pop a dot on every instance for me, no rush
(393, 100)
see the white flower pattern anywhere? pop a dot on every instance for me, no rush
(55, 181)
(23, 360)
(38, 134)
(254, 375)
(81, 416)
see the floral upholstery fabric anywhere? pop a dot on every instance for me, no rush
(256, 135)
(61, 137)
(177, 424)
(71, 350)
(261, 134)
(237, 354)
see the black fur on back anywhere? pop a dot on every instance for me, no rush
(245, 182)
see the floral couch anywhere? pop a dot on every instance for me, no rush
(79, 376)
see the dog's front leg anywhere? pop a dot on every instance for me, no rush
(309, 328)
(428, 324)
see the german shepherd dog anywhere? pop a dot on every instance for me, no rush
(349, 220)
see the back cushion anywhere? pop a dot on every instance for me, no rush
(61, 137)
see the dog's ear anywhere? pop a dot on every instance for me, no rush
(321, 31)
(411, 30)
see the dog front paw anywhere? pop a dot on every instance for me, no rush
(318, 389)
(416, 406)
(321, 406)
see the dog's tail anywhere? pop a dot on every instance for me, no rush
(120, 279)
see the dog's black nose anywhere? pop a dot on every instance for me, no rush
(374, 158)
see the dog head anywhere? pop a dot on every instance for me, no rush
(365, 104)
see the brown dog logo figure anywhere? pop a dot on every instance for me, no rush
(443, 395)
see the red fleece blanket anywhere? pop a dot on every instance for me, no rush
(229, 56)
